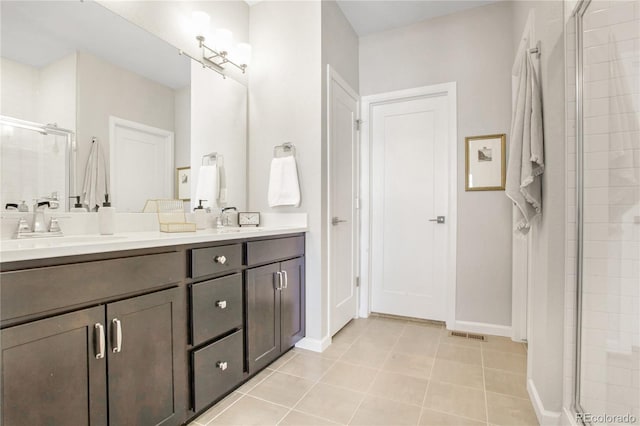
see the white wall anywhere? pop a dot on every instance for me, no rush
(120, 93)
(219, 124)
(475, 49)
(171, 21)
(19, 90)
(546, 303)
(285, 105)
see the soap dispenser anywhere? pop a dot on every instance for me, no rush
(107, 217)
(78, 207)
(200, 216)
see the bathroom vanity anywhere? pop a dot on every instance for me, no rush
(148, 331)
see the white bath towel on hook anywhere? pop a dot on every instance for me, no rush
(284, 188)
(526, 156)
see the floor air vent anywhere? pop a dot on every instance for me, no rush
(464, 335)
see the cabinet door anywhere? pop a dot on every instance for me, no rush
(146, 368)
(263, 316)
(292, 303)
(50, 374)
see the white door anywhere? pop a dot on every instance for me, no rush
(141, 164)
(343, 190)
(410, 144)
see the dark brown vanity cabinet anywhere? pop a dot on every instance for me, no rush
(217, 306)
(119, 362)
(275, 301)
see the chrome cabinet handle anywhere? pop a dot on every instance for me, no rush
(222, 365)
(286, 279)
(117, 346)
(279, 284)
(220, 259)
(438, 219)
(222, 304)
(100, 340)
(335, 220)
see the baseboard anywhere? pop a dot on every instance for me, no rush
(315, 345)
(545, 417)
(568, 417)
(481, 327)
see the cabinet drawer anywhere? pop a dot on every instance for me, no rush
(210, 380)
(45, 290)
(215, 260)
(272, 250)
(216, 307)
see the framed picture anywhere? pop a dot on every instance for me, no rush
(183, 183)
(486, 162)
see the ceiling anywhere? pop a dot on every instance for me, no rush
(37, 33)
(368, 17)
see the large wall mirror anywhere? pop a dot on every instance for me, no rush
(124, 95)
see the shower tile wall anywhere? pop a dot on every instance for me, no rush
(610, 362)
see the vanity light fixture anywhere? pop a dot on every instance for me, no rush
(215, 59)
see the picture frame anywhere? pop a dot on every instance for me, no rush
(183, 183)
(485, 162)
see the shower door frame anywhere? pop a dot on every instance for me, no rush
(52, 129)
(578, 15)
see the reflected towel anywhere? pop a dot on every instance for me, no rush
(94, 187)
(526, 156)
(207, 188)
(284, 189)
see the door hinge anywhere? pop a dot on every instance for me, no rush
(357, 281)
(358, 124)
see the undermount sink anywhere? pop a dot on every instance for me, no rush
(58, 241)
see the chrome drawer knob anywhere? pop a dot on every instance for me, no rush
(222, 304)
(222, 365)
(220, 259)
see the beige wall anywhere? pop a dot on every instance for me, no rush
(475, 49)
(285, 105)
(120, 93)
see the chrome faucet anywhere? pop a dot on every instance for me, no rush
(38, 216)
(54, 201)
(39, 224)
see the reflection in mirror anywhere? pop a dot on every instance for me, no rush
(35, 162)
(81, 66)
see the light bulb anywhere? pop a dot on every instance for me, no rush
(224, 38)
(201, 22)
(243, 52)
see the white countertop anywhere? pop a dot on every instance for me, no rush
(40, 248)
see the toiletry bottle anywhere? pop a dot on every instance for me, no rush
(23, 207)
(107, 217)
(200, 217)
(77, 207)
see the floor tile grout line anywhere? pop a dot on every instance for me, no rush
(484, 388)
(426, 391)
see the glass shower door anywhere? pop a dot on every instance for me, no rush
(608, 181)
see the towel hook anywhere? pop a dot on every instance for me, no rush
(286, 148)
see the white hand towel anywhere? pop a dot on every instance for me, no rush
(207, 188)
(526, 156)
(284, 189)
(94, 187)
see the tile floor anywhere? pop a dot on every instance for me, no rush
(382, 371)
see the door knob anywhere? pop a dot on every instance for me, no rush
(438, 219)
(335, 220)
